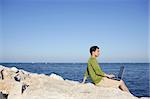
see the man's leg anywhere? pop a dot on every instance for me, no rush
(123, 87)
(106, 82)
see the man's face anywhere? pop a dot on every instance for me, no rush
(96, 53)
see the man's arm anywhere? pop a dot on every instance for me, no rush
(84, 79)
(85, 76)
(99, 71)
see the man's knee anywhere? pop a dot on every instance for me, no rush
(122, 82)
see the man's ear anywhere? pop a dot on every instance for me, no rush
(92, 52)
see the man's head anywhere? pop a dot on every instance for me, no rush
(94, 51)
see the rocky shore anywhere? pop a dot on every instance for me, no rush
(20, 84)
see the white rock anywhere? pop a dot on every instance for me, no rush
(15, 91)
(73, 82)
(90, 84)
(3, 67)
(55, 76)
(25, 72)
(145, 98)
(14, 69)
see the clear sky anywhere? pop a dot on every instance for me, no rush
(64, 30)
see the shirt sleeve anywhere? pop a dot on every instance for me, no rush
(97, 69)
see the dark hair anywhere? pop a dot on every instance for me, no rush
(93, 48)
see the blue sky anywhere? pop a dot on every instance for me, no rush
(63, 31)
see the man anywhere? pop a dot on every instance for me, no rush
(98, 77)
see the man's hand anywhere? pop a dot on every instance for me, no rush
(84, 80)
(110, 76)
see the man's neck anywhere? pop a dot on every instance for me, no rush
(93, 56)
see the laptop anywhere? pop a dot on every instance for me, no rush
(120, 75)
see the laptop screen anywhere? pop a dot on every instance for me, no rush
(120, 75)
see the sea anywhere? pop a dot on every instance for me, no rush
(136, 75)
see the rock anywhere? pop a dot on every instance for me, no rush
(17, 77)
(41, 86)
(54, 76)
(3, 96)
(10, 87)
(24, 72)
(145, 98)
(2, 67)
(14, 69)
(8, 74)
(1, 74)
(72, 82)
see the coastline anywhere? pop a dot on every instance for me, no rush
(39, 86)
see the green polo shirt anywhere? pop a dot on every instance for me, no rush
(94, 71)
